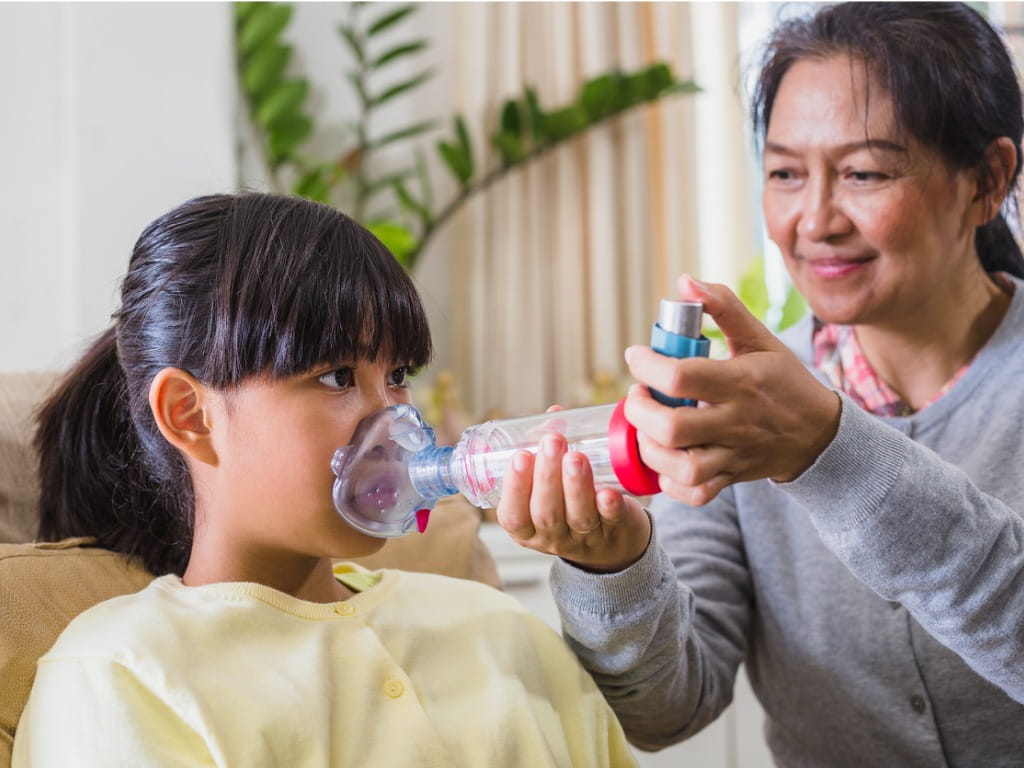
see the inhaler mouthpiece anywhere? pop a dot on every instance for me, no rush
(373, 491)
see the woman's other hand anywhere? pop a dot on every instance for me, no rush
(762, 413)
(549, 503)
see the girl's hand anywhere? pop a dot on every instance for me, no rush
(549, 503)
(762, 413)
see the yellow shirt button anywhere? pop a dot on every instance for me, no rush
(394, 688)
(345, 609)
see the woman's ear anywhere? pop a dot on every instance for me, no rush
(181, 408)
(1000, 163)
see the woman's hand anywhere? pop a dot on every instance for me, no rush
(549, 503)
(762, 413)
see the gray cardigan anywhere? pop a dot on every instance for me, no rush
(877, 600)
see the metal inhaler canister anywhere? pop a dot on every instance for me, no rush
(677, 334)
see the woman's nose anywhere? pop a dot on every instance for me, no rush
(821, 215)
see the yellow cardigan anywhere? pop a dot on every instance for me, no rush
(418, 670)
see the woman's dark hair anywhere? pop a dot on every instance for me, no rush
(951, 79)
(229, 288)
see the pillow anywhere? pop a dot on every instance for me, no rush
(20, 395)
(45, 585)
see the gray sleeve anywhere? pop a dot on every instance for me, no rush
(915, 529)
(665, 658)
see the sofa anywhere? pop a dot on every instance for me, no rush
(43, 585)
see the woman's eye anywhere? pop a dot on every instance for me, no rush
(781, 174)
(400, 376)
(339, 378)
(866, 176)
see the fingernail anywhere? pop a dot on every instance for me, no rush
(521, 461)
(574, 466)
(628, 354)
(550, 446)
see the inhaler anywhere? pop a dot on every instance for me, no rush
(393, 472)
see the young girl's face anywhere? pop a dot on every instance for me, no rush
(274, 443)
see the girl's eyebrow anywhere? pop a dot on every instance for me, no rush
(883, 145)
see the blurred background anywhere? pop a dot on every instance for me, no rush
(544, 259)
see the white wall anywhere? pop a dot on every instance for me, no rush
(113, 113)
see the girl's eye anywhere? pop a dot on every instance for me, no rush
(400, 376)
(339, 378)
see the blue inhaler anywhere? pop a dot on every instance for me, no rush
(393, 473)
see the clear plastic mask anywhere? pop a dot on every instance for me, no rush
(372, 490)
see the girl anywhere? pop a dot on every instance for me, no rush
(255, 332)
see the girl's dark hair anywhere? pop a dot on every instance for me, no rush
(228, 288)
(951, 79)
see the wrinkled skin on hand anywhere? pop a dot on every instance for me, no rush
(762, 414)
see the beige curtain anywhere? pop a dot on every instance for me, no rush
(539, 284)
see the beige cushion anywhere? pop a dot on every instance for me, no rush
(45, 585)
(20, 394)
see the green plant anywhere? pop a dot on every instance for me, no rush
(407, 218)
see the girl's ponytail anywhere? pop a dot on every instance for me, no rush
(92, 476)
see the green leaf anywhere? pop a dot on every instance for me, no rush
(564, 122)
(457, 161)
(263, 23)
(389, 20)
(684, 86)
(753, 291)
(265, 67)
(465, 147)
(602, 95)
(243, 11)
(410, 203)
(404, 133)
(387, 182)
(349, 36)
(283, 101)
(401, 87)
(397, 52)
(287, 134)
(793, 309)
(659, 78)
(396, 237)
(510, 122)
(314, 186)
(510, 146)
(534, 112)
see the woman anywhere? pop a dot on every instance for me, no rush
(873, 622)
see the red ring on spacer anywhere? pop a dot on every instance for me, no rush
(624, 452)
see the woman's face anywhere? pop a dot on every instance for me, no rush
(871, 227)
(275, 448)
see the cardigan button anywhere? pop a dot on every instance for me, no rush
(917, 703)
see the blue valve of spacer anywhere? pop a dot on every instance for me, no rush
(677, 334)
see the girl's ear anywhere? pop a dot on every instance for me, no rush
(1000, 160)
(181, 408)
